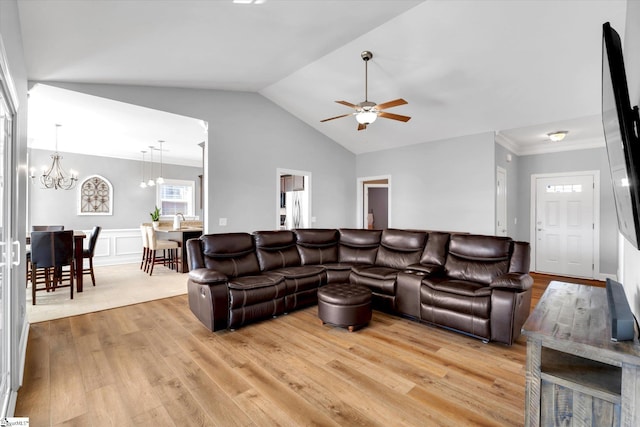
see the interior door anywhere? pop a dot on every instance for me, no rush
(565, 225)
(5, 262)
(501, 202)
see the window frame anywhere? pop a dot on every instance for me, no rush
(177, 182)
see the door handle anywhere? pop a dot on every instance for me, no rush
(15, 254)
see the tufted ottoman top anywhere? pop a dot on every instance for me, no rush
(344, 294)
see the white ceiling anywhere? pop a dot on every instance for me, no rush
(521, 68)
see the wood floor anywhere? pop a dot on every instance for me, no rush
(154, 364)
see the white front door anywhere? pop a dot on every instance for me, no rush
(565, 225)
(501, 202)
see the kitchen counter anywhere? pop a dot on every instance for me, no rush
(188, 230)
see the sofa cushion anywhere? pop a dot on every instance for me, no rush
(276, 249)
(375, 272)
(458, 287)
(230, 253)
(477, 258)
(254, 282)
(435, 251)
(299, 272)
(358, 246)
(400, 248)
(520, 258)
(381, 280)
(317, 246)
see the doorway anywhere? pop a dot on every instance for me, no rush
(501, 202)
(374, 210)
(565, 224)
(293, 202)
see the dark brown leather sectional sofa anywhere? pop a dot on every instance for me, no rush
(478, 285)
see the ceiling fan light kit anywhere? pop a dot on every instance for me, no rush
(366, 111)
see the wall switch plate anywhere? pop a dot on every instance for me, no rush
(222, 222)
(313, 219)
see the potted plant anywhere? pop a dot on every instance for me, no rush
(155, 218)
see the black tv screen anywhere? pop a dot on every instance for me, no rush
(620, 123)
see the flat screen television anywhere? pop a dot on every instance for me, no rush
(620, 123)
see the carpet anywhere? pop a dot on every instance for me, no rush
(116, 286)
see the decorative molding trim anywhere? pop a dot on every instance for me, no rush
(7, 81)
(118, 246)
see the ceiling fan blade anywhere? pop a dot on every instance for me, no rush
(390, 104)
(393, 116)
(348, 104)
(362, 126)
(336, 117)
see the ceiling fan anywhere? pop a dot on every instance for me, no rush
(367, 112)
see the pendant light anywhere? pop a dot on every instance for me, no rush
(151, 182)
(160, 179)
(143, 184)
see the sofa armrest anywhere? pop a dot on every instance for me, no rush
(514, 281)
(427, 269)
(209, 297)
(207, 276)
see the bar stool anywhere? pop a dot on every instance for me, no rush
(156, 245)
(145, 248)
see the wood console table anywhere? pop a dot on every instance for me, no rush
(575, 374)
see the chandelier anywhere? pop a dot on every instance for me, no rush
(55, 177)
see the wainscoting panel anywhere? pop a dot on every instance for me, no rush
(117, 246)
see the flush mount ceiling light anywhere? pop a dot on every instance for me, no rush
(249, 1)
(366, 111)
(558, 135)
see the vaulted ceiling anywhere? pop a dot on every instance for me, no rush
(520, 68)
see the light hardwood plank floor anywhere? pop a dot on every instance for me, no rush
(154, 364)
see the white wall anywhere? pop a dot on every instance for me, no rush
(571, 161)
(439, 185)
(249, 138)
(630, 272)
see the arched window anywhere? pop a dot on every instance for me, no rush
(96, 196)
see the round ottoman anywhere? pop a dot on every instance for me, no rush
(345, 305)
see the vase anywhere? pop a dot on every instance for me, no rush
(156, 224)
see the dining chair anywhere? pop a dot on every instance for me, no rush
(145, 248)
(88, 252)
(28, 247)
(47, 227)
(156, 245)
(51, 251)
